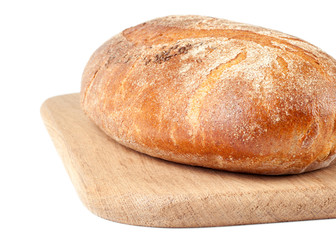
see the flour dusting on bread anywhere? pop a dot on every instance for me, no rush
(215, 93)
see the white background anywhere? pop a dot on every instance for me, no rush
(44, 46)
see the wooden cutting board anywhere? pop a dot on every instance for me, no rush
(122, 185)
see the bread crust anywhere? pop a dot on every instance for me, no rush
(215, 93)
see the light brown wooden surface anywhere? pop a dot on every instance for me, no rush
(125, 186)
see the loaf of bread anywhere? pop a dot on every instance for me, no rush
(215, 93)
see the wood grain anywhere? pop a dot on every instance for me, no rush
(125, 186)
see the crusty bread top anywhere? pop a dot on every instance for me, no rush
(215, 93)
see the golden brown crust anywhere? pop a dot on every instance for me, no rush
(214, 93)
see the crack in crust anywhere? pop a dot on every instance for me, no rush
(166, 34)
(196, 102)
(89, 86)
(282, 62)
